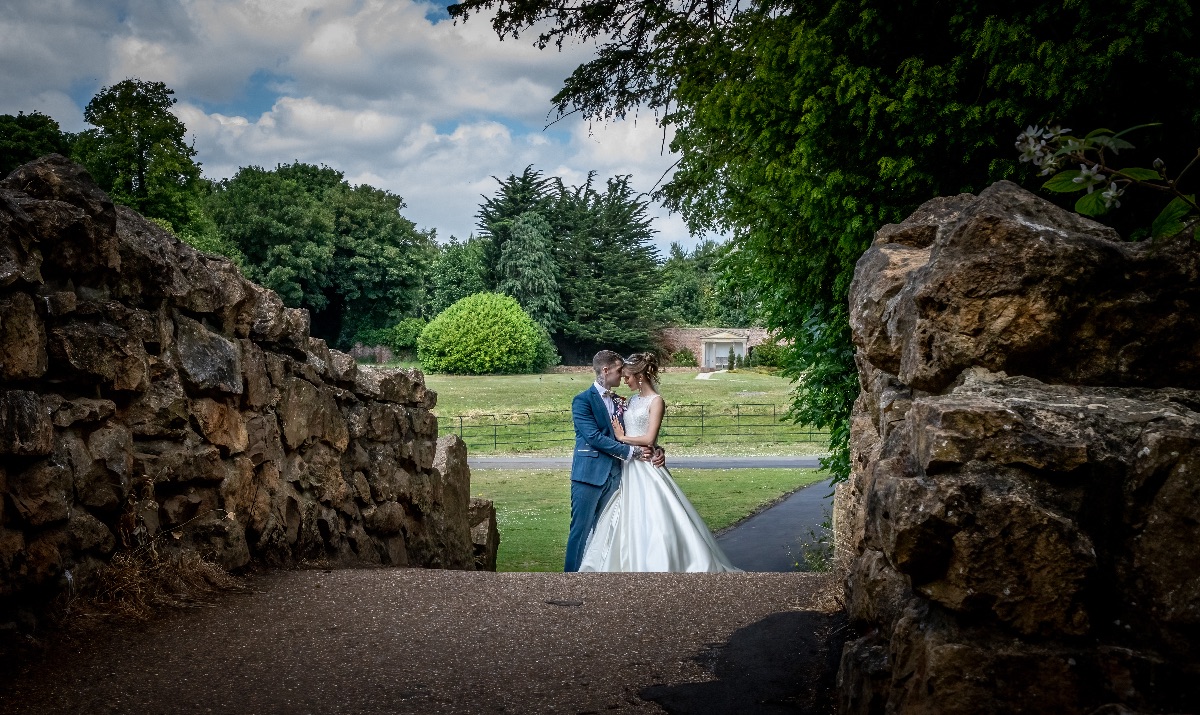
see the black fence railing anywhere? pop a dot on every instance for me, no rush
(682, 425)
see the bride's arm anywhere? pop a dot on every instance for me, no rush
(648, 439)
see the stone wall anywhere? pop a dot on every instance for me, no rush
(150, 392)
(1019, 531)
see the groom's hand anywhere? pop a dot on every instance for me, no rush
(660, 457)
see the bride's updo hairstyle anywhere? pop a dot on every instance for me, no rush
(644, 365)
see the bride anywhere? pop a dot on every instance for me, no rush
(648, 524)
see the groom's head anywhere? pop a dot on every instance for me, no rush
(607, 365)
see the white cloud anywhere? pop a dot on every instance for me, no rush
(430, 111)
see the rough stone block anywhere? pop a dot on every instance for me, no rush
(207, 361)
(485, 535)
(25, 427)
(99, 352)
(22, 339)
(221, 424)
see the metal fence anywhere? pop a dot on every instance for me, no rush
(682, 425)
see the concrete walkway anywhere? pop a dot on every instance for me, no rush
(425, 641)
(772, 539)
(809, 462)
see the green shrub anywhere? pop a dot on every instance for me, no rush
(400, 338)
(766, 355)
(482, 334)
(684, 357)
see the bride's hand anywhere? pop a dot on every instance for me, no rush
(618, 430)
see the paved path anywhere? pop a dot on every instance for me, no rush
(811, 462)
(771, 540)
(423, 641)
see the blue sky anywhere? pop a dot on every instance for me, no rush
(388, 91)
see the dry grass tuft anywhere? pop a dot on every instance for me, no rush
(137, 583)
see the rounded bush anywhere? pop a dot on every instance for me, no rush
(684, 357)
(482, 334)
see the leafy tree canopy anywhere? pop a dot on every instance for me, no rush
(344, 252)
(697, 288)
(458, 271)
(607, 263)
(528, 272)
(26, 137)
(595, 245)
(518, 195)
(137, 151)
(803, 127)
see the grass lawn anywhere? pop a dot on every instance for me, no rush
(490, 394)
(533, 506)
(728, 414)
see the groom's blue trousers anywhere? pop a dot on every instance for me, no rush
(587, 501)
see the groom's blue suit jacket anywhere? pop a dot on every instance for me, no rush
(597, 453)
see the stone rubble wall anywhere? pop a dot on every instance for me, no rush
(150, 392)
(1020, 529)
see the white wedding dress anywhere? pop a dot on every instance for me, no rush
(648, 524)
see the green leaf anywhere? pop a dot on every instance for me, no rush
(1140, 174)
(1097, 132)
(1170, 220)
(1140, 126)
(1091, 204)
(1113, 143)
(1063, 182)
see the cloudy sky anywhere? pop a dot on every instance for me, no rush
(390, 92)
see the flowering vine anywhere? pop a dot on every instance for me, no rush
(1052, 148)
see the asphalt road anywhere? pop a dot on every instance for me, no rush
(774, 539)
(811, 462)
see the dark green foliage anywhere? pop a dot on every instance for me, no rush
(201, 231)
(684, 357)
(805, 132)
(767, 354)
(400, 338)
(343, 252)
(457, 273)
(527, 270)
(607, 264)
(517, 195)
(481, 334)
(138, 151)
(603, 261)
(804, 127)
(695, 288)
(26, 137)
(731, 360)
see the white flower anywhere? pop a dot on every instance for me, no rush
(1074, 146)
(1089, 177)
(1110, 196)
(1054, 132)
(1050, 165)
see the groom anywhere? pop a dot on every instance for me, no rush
(596, 464)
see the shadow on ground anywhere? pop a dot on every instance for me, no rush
(785, 663)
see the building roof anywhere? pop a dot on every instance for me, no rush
(725, 335)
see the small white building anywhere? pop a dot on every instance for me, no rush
(716, 347)
(711, 345)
